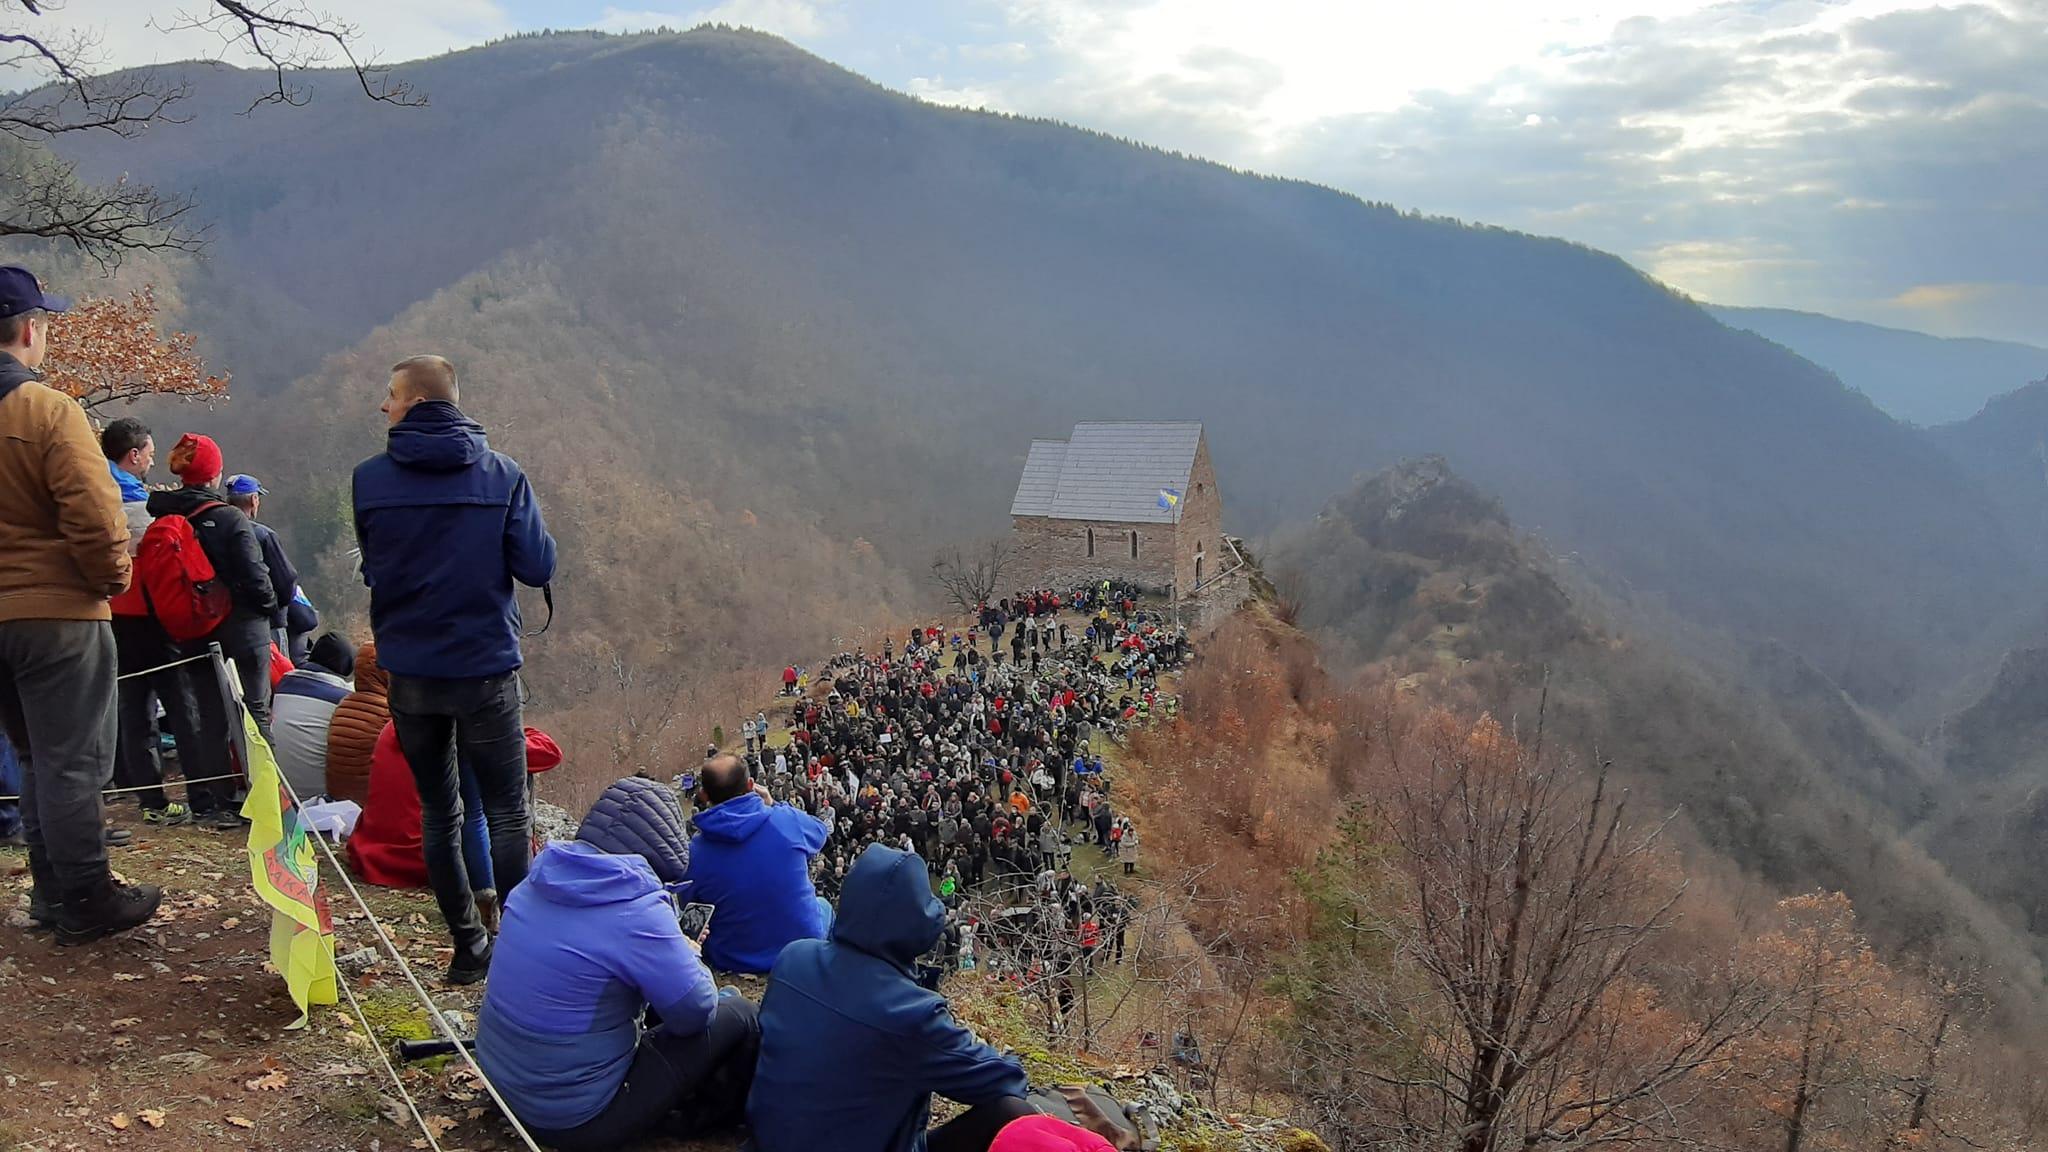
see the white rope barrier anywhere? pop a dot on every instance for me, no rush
(434, 1015)
(154, 787)
(173, 664)
(397, 1081)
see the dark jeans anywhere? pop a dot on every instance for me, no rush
(252, 667)
(975, 1129)
(476, 834)
(216, 748)
(57, 705)
(140, 764)
(10, 785)
(678, 1086)
(480, 719)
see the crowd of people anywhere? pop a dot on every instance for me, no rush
(835, 853)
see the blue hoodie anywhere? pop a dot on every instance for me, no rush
(445, 526)
(132, 490)
(852, 1048)
(752, 862)
(588, 942)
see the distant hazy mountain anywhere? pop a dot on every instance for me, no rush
(766, 332)
(1924, 379)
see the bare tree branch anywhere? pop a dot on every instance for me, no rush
(972, 582)
(40, 196)
(290, 37)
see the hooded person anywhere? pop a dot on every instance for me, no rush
(302, 712)
(751, 860)
(853, 1047)
(387, 848)
(590, 944)
(447, 527)
(352, 731)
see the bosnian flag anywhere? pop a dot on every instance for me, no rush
(1169, 498)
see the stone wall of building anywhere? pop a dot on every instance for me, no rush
(1201, 527)
(1176, 556)
(1054, 553)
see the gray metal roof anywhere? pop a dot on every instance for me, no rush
(1109, 471)
(1041, 478)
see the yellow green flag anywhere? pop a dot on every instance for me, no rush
(284, 866)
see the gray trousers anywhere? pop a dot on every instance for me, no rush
(57, 703)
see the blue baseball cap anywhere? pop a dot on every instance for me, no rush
(243, 484)
(19, 293)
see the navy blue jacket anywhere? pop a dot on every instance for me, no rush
(445, 526)
(852, 1048)
(284, 579)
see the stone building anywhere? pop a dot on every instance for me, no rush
(1089, 508)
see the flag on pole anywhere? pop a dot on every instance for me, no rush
(1169, 498)
(284, 867)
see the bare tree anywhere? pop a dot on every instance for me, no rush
(39, 194)
(1508, 997)
(970, 582)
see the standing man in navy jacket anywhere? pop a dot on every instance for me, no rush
(445, 526)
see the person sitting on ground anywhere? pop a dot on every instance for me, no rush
(388, 849)
(751, 860)
(852, 1047)
(591, 943)
(302, 711)
(353, 730)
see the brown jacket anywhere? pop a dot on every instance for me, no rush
(63, 538)
(352, 731)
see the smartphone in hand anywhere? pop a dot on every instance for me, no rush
(695, 919)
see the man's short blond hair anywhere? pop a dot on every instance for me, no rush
(427, 377)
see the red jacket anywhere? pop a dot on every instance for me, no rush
(386, 848)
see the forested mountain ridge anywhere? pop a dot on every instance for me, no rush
(1929, 380)
(1776, 774)
(808, 299)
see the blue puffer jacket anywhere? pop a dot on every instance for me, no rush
(851, 1047)
(445, 525)
(752, 862)
(588, 942)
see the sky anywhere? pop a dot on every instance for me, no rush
(1882, 160)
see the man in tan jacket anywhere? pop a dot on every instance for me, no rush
(63, 553)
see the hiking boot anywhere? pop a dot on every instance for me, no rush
(487, 909)
(168, 815)
(224, 820)
(470, 967)
(103, 908)
(43, 901)
(117, 837)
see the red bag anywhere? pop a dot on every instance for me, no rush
(174, 581)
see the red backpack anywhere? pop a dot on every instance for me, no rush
(174, 581)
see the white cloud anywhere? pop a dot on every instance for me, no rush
(936, 90)
(1802, 151)
(132, 33)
